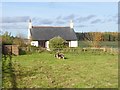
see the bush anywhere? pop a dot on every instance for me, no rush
(6, 38)
(22, 52)
(19, 41)
(30, 49)
(57, 43)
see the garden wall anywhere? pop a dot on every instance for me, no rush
(10, 49)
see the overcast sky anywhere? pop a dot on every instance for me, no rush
(92, 16)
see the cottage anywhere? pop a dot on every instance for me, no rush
(40, 35)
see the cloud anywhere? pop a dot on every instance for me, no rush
(109, 20)
(81, 26)
(87, 18)
(14, 25)
(90, 17)
(60, 22)
(116, 16)
(59, 17)
(69, 17)
(113, 19)
(39, 21)
(74, 17)
(14, 19)
(46, 21)
(96, 21)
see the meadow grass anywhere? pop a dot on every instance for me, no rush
(83, 70)
(113, 44)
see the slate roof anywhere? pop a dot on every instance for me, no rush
(46, 33)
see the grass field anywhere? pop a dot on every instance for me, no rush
(84, 70)
(113, 44)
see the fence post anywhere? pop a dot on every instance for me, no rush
(104, 49)
(111, 50)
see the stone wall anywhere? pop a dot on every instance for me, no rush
(10, 49)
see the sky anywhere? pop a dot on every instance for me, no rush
(87, 16)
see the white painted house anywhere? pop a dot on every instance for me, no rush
(40, 35)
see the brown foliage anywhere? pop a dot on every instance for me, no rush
(94, 38)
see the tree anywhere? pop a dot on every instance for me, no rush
(115, 36)
(7, 38)
(18, 41)
(57, 43)
(93, 38)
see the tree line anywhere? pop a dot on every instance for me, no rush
(102, 36)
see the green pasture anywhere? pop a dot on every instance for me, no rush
(113, 44)
(78, 70)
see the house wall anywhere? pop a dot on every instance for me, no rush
(47, 45)
(34, 43)
(73, 43)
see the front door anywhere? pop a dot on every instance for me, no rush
(42, 44)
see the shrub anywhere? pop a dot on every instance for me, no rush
(32, 49)
(57, 43)
(19, 41)
(22, 52)
(6, 39)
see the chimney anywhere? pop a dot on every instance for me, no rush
(71, 24)
(30, 24)
(29, 28)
